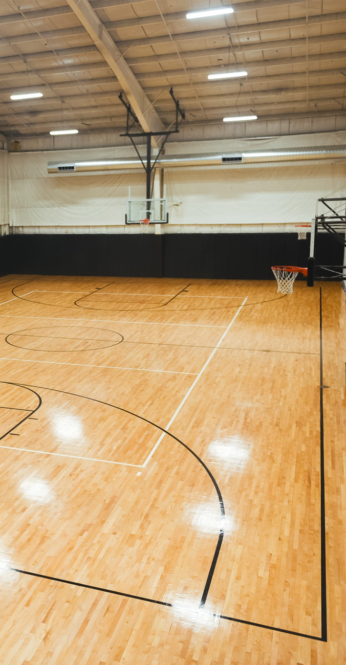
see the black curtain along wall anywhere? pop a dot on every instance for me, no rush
(210, 256)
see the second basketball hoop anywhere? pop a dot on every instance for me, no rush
(286, 276)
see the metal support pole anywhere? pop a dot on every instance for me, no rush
(148, 169)
(311, 259)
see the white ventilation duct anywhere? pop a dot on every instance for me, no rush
(179, 161)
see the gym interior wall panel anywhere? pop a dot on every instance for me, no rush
(188, 256)
(4, 199)
(5, 263)
(199, 199)
(115, 255)
(256, 195)
(42, 201)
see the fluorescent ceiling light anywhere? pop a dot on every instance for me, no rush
(210, 12)
(27, 95)
(60, 132)
(240, 118)
(230, 75)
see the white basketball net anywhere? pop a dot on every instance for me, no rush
(285, 280)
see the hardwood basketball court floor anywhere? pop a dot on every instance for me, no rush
(172, 472)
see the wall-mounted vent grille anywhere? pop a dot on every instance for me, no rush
(228, 159)
(66, 167)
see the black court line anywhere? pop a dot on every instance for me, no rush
(149, 309)
(160, 308)
(97, 290)
(9, 383)
(26, 333)
(38, 302)
(162, 603)
(323, 501)
(323, 637)
(90, 586)
(216, 487)
(176, 295)
(222, 348)
(12, 408)
(156, 307)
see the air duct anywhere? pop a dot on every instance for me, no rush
(179, 161)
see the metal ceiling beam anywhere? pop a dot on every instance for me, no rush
(44, 55)
(52, 71)
(140, 103)
(205, 93)
(242, 48)
(206, 89)
(103, 4)
(38, 105)
(225, 32)
(62, 11)
(235, 30)
(86, 83)
(232, 99)
(251, 66)
(267, 125)
(234, 49)
(289, 115)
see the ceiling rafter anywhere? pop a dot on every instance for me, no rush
(103, 4)
(68, 63)
(250, 66)
(239, 29)
(241, 48)
(142, 107)
(229, 98)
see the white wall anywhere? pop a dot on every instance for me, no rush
(266, 197)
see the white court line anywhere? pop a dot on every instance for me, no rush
(6, 301)
(152, 295)
(134, 369)
(111, 293)
(193, 385)
(70, 318)
(139, 466)
(51, 291)
(222, 297)
(89, 459)
(143, 323)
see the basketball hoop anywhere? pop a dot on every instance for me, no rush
(286, 276)
(302, 234)
(144, 221)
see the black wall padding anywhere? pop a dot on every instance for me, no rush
(5, 262)
(242, 255)
(210, 256)
(104, 255)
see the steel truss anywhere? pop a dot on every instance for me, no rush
(332, 219)
(132, 123)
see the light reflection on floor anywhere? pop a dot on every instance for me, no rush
(232, 452)
(189, 613)
(37, 489)
(206, 518)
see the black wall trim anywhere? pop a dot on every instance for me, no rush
(193, 255)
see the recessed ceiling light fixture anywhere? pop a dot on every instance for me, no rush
(225, 75)
(205, 13)
(27, 95)
(61, 132)
(240, 118)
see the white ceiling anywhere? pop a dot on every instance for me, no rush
(294, 52)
